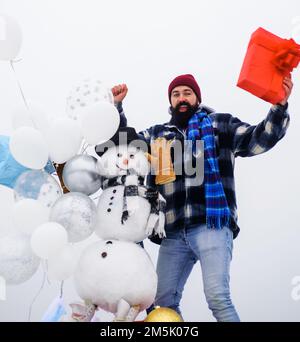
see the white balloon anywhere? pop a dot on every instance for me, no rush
(17, 261)
(100, 122)
(48, 240)
(63, 139)
(63, 265)
(34, 117)
(28, 147)
(28, 214)
(10, 38)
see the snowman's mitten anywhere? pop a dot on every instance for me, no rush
(152, 222)
(122, 311)
(132, 314)
(158, 229)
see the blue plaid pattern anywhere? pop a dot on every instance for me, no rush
(217, 211)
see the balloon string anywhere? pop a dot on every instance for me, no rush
(19, 84)
(21, 90)
(38, 293)
(46, 270)
(61, 289)
(85, 146)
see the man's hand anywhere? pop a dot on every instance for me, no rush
(288, 86)
(119, 92)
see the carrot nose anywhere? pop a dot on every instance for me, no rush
(125, 161)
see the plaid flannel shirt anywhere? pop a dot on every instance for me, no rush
(186, 204)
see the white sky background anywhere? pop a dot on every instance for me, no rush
(146, 44)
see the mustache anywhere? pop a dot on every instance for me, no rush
(183, 103)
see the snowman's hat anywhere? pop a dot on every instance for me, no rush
(123, 136)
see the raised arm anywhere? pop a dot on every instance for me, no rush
(119, 92)
(248, 140)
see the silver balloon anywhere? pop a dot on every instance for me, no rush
(77, 213)
(80, 175)
(18, 263)
(38, 185)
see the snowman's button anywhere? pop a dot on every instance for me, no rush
(110, 203)
(104, 255)
(112, 198)
(109, 210)
(114, 191)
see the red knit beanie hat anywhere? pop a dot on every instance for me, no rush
(185, 80)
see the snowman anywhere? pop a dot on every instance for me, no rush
(127, 209)
(116, 276)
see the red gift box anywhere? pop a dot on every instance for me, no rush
(268, 60)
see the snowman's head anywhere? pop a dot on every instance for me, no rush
(123, 160)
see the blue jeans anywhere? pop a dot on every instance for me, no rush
(177, 255)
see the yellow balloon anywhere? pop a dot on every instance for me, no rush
(163, 315)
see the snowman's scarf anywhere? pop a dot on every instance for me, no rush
(134, 188)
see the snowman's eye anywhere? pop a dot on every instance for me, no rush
(119, 155)
(109, 243)
(131, 156)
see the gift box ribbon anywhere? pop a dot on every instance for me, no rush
(288, 56)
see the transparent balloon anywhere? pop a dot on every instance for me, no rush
(18, 263)
(85, 94)
(77, 213)
(38, 185)
(81, 174)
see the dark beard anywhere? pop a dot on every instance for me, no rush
(180, 119)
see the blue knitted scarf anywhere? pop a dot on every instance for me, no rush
(217, 210)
